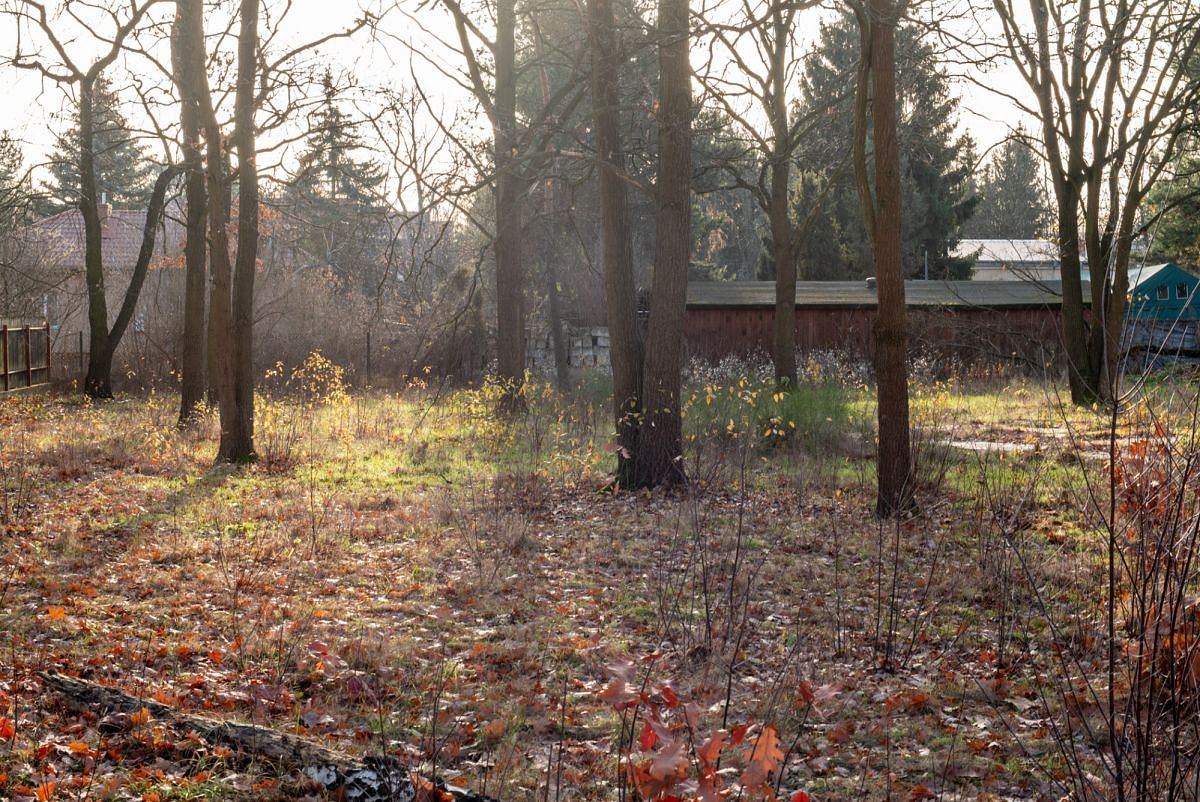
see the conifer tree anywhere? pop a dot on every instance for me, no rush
(124, 174)
(1012, 196)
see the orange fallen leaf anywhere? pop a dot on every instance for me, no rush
(45, 792)
(56, 614)
(78, 748)
(140, 717)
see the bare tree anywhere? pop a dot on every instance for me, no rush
(760, 58)
(881, 206)
(1110, 126)
(60, 66)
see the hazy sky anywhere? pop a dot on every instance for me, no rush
(34, 107)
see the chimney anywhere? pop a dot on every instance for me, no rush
(105, 211)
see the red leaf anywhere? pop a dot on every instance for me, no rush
(738, 734)
(711, 750)
(801, 796)
(6, 730)
(647, 739)
(805, 692)
(669, 696)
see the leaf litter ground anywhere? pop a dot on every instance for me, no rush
(383, 585)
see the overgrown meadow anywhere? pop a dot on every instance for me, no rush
(407, 573)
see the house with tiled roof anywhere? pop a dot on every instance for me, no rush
(53, 250)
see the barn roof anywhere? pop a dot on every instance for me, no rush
(857, 295)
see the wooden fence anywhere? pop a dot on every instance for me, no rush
(26, 356)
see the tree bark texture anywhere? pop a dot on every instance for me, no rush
(237, 435)
(510, 302)
(98, 381)
(660, 437)
(193, 364)
(778, 212)
(620, 291)
(894, 466)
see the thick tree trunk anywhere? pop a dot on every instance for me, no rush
(193, 367)
(895, 466)
(1081, 374)
(510, 302)
(237, 437)
(660, 437)
(221, 336)
(98, 381)
(620, 292)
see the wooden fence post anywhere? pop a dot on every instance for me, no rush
(28, 357)
(49, 375)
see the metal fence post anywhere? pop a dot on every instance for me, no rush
(80, 333)
(49, 374)
(4, 345)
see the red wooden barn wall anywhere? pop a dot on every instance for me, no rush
(1027, 334)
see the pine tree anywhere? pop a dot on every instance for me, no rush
(1012, 196)
(334, 196)
(124, 173)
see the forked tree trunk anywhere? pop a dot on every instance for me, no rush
(193, 367)
(660, 437)
(894, 465)
(103, 341)
(620, 292)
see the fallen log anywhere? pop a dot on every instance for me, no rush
(370, 779)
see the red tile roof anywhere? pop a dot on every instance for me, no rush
(121, 230)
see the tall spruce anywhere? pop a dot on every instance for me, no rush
(124, 173)
(935, 161)
(334, 198)
(1013, 203)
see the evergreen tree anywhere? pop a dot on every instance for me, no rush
(124, 173)
(1176, 235)
(15, 191)
(334, 197)
(1012, 196)
(935, 163)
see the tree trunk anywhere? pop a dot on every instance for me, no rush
(620, 292)
(221, 338)
(341, 776)
(193, 381)
(784, 352)
(510, 306)
(103, 340)
(237, 438)
(660, 437)
(895, 467)
(1080, 375)
(778, 212)
(98, 381)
